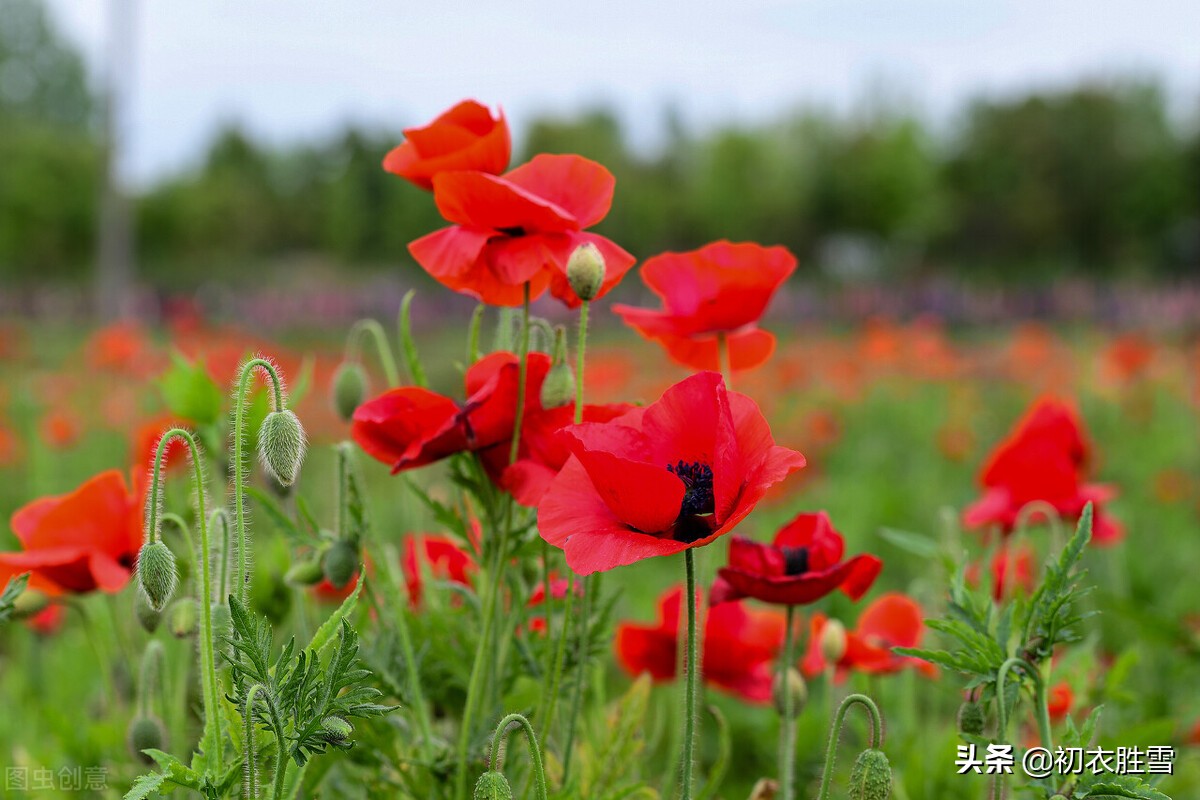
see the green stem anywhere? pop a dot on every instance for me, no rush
(787, 735)
(249, 754)
(373, 329)
(692, 667)
(208, 658)
(535, 753)
(395, 599)
(835, 734)
(522, 369)
(554, 674)
(239, 460)
(221, 516)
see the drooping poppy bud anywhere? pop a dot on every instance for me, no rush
(308, 572)
(350, 386)
(796, 686)
(971, 718)
(585, 271)
(492, 785)
(558, 388)
(145, 733)
(281, 445)
(147, 616)
(183, 618)
(156, 573)
(833, 641)
(871, 777)
(340, 563)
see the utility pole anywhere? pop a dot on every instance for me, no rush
(115, 248)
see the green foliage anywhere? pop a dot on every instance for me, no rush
(8, 598)
(190, 393)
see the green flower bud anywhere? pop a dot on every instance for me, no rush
(145, 733)
(336, 730)
(585, 271)
(306, 572)
(281, 445)
(871, 777)
(147, 616)
(795, 686)
(349, 388)
(183, 618)
(340, 563)
(558, 389)
(492, 786)
(971, 718)
(156, 574)
(29, 603)
(833, 641)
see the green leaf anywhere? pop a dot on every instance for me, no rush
(408, 348)
(176, 771)
(280, 517)
(324, 634)
(12, 590)
(145, 785)
(190, 393)
(916, 544)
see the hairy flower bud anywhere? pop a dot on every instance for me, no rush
(306, 573)
(336, 730)
(796, 686)
(833, 641)
(349, 388)
(340, 563)
(156, 573)
(183, 617)
(871, 777)
(147, 616)
(558, 388)
(145, 733)
(492, 785)
(970, 718)
(281, 445)
(585, 271)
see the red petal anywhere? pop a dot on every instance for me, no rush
(466, 137)
(645, 497)
(581, 187)
(617, 263)
(814, 531)
(479, 200)
(408, 427)
(893, 618)
(450, 252)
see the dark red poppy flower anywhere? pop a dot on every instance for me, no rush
(658, 480)
(467, 137)
(520, 228)
(738, 653)
(1044, 459)
(802, 565)
(892, 620)
(438, 556)
(81, 541)
(721, 289)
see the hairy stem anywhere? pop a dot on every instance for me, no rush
(692, 667)
(372, 328)
(535, 754)
(835, 735)
(787, 734)
(239, 458)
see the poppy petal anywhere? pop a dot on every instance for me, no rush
(479, 200)
(580, 186)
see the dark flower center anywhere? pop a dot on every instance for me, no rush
(698, 500)
(515, 231)
(795, 560)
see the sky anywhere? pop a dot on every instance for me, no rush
(294, 69)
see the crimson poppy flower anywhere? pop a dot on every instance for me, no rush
(722, 289)
(802, 565)
(661, 479)
(892, 620)
(740, 645)
(520, 228)
(85, 540)
(443, 559)
(466, 137)
(1044, 459)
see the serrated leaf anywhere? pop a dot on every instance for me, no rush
(145, 785)
(12, 590)
(176, 771)
(329, 628)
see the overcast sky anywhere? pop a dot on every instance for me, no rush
(290, 69)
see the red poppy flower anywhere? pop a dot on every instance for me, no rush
(558, 591)
(520, 228)
(802, 565)
(661, 479)
(467, 137)
(740, 646)
(892, 620)
(722, 288)
(1011, 571)
(145, 444)
(47, 621)
(81, 541)
(1059, 701)
(1044, 459)
(61, 428)
(443, 559)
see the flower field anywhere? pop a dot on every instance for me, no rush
(568, 547)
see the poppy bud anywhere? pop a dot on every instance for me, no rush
(340, 563)
(349, 388)
(146, 616)
(306, 573)
(585, 271)
(492, 785)
(336, 730)
(156, 573)
(871, 777)
(795, 686)
(29, 603)
(145, 733)
(833, 641)
(558, 388)
(183, 618)
(970, 718)
(281, 445)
